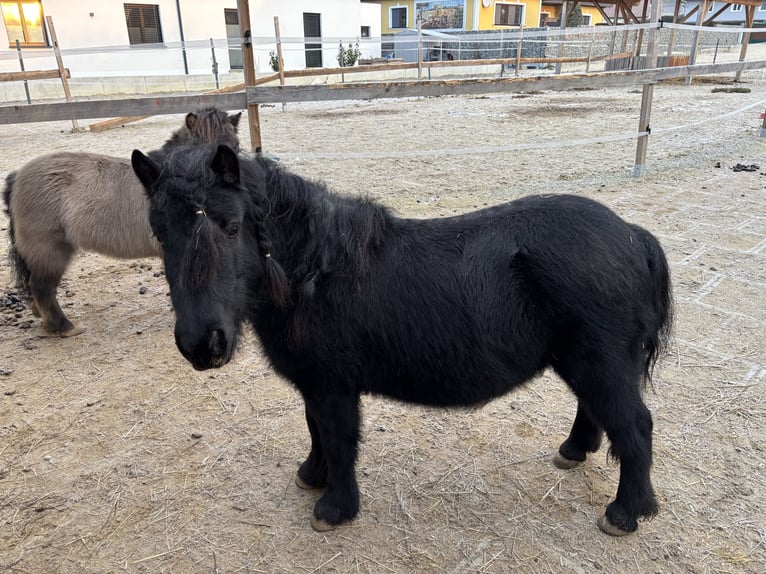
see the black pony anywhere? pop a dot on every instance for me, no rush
(346, 299)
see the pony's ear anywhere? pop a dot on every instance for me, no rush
(147, 171)
(226, 164)
(234, 119)
(190, 121)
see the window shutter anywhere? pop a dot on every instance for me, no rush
(143, 22)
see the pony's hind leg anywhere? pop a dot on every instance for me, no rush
(610, 395)
(632, 446)
(43, 283)
(584, 437)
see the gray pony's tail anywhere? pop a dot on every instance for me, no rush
(19, 268)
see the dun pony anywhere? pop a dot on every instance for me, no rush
(63, 202)
(347, 298)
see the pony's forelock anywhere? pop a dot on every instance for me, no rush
(201, 256)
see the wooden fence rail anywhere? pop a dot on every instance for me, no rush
(147, 106)
(423, 88)
(32, 75)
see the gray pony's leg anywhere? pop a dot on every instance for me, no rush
(43, 284)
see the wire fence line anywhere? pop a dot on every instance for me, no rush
(542, 145)
(455, 45)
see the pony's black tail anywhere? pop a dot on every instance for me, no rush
(659, 332)
(19, 268)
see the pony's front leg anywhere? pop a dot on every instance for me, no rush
(337, 423)
(313, 472)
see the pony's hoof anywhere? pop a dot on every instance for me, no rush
(564, 463)
(320, 525)
(303, 485)
(607, 527)
(73, 332)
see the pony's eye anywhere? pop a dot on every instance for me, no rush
(232, 231)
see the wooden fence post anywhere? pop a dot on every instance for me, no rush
(248, 64)
(279, 56)
(60, 64)
(639, 168)
(562, 27)
(703, 5)
(420, 51)
(749, 18)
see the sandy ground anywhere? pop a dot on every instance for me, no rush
(115, 456)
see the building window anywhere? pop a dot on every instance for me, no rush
(736, 7)
(509, 14)
(365, 32)
(398, 17)
(586, 19)
(143, 23)
(24, 22)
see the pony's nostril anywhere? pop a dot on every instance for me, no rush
(217, 343)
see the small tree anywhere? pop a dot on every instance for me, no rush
(347, 57)
(575, 17)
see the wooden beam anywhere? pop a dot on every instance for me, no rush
(280, 59)
(424, 88)
(604, 15)
(672, 39)
(89, 109)
(115, 123)
(562, 27)
(248, 66)
(689, 14)
(307, 72)
(121, 121)
(32, 75)
(645, 114)
(702, 5)
(17, 114)
(749, 18)
(720, 11)
(60, 65)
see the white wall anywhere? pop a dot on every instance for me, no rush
(78, 31)
(340, 19)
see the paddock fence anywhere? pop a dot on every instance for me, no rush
(437, 65)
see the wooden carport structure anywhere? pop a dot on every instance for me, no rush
(635, 12)
(701, 11)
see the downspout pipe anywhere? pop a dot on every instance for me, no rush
(183, 42)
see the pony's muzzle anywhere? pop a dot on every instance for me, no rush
(212, 350)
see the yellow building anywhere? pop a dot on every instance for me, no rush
(453, 15)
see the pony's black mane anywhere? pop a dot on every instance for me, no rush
(313, 214)
(308, 229)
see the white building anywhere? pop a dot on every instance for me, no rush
(102, 38)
